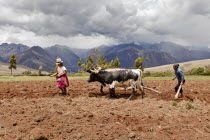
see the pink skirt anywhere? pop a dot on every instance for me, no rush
(62, 81)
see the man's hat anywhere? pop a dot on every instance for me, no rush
(58, 61)
(176, 65)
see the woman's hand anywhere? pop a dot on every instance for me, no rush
(59, 75)
(53, 75)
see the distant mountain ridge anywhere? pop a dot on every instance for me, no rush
(7, 49)
(158, 54)
(36, 57)
(69, 58)
(179, 52)
(129, 55)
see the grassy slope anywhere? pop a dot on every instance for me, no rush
(5, 71)
(185, 66)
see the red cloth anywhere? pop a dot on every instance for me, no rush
(62, 81)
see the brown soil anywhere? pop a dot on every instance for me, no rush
(34, 110)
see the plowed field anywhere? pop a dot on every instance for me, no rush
(35, 110)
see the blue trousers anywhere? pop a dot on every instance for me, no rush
(177, 86)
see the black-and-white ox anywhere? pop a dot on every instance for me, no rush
(117, 77)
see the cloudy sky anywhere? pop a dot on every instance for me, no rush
(91, 23)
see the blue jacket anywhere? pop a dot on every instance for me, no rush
(179, 74)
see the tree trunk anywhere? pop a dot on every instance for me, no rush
(11, 71)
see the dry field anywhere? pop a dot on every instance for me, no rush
(33, 110)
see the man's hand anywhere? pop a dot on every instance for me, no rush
(182, 83)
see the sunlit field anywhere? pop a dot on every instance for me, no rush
(73, 77)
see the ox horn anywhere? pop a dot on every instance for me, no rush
(96, 70)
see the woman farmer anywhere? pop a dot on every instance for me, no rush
(61, 78)
(180, 77)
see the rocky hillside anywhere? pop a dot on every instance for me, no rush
(157, 54)
(70, 58)
(181, 53)
(36, 57)
(7, 49)
(129, 55)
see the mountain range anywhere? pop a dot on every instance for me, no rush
(157, 54)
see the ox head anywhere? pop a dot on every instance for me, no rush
(93, 74)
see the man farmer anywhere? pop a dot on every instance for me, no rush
(180, 77)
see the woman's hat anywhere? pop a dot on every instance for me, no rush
(58, 61)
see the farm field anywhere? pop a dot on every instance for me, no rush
(47, 78)
(31, 108)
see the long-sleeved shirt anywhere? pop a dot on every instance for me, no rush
(179, 74)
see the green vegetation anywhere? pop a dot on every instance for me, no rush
(97, 60)
(158, 74)
(191, 77)
(189, 105)
(139, 63)
(12, 62)
(116, 63)
(199, 71)
(84, 76)
(30, 73)
(37, 78)
(174, 103)
(194, 71)
(40, 71)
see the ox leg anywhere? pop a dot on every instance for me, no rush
(112, 93)
(133, 93)
(141, 88)
(134, 90)
(101, 90)
(112, 90)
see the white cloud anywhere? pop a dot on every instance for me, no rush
(89, 23)
(12, 34)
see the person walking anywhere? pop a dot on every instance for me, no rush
(180, 77)
(61, 76)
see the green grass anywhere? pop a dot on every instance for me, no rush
(174, 103)
(36, 78)
(85, 77)
(186, 77)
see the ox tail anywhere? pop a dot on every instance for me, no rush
(140, 77)
(140, 84)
